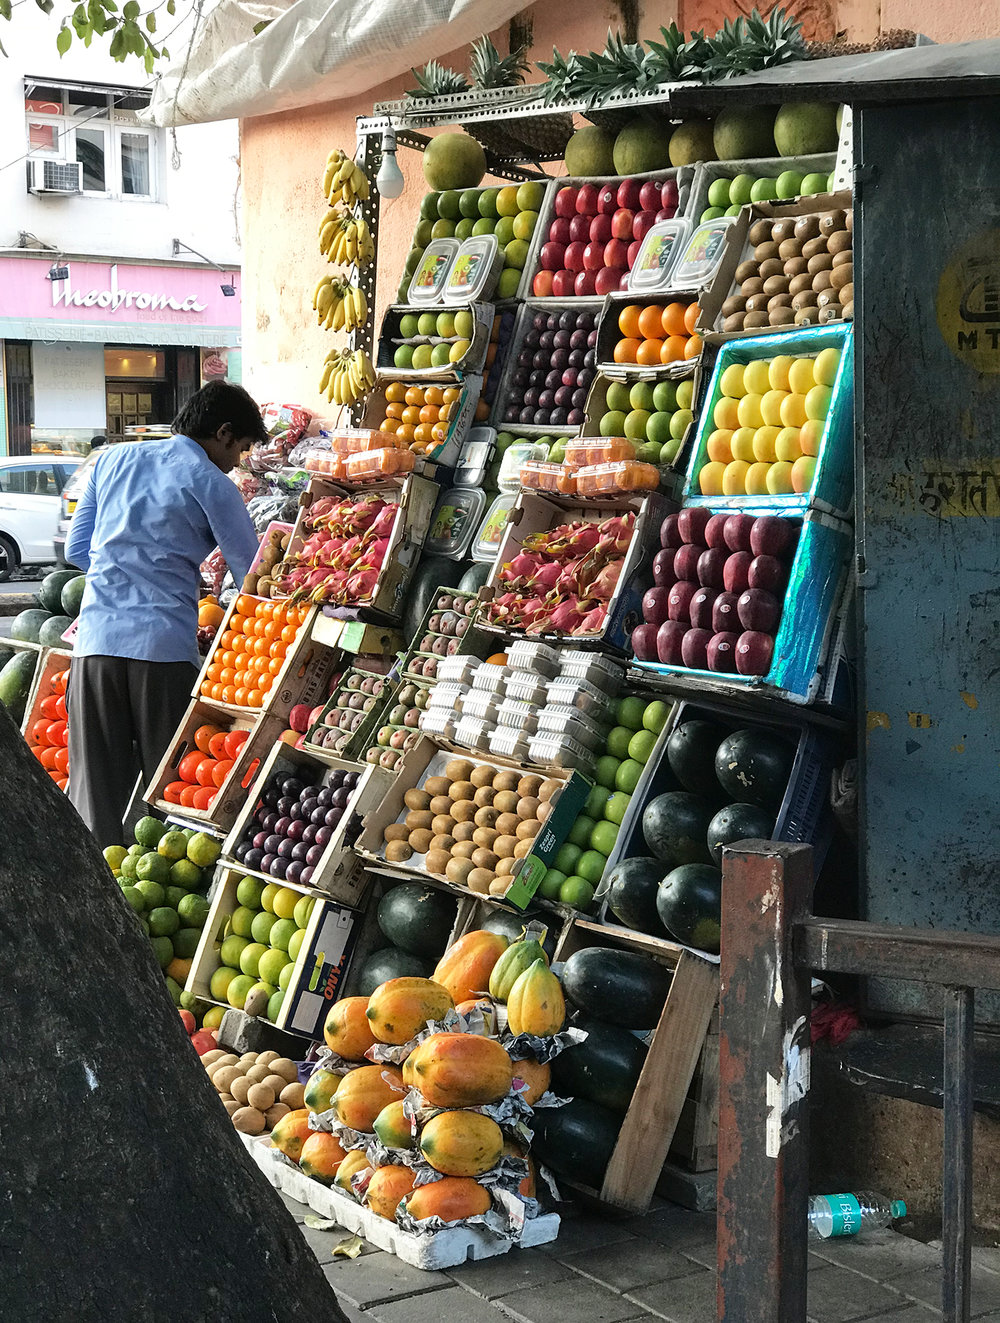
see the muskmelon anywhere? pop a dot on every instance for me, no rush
(641, 146)
(453, 160)
(590, 151)
(803, 128)
(691, 142)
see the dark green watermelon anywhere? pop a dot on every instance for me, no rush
(576, 1140)
(604, 1068)
(6, 652)
(431, 575)
(417, 919)
(15, 682)
(389, 963)
(675, 826)
(622, 987)
(72, 596)
(511, 925)
(631, 892)
(475, 577)
(753, 766)
(51, 633)
(50, 589)
(738, 822)
(690, 905)
(691, 751)
(25, 626)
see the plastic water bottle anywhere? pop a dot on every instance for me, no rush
(848, 1214)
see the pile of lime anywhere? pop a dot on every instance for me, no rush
(655, 415)
(580, 863)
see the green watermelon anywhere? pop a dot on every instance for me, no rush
(631, 892)
(6, 653)
(690, 905)
(738, 822)
(417, 919)
(15, 682)
(624, 987)
(691, 751)
(72, 596)
(51, 633)
(576, 1140)
(50, 591)
(25, 627)
(675, 826)
(604, 1068)
(431, 575)
(753, 766)
(389, 963)
(475, 576)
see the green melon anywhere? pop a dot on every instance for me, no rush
(691, 142)
(15, 682)
(51, 633)
(590, 151)
(625, 988)
(453, 161)
(803, 128)
(604, 1068)
(25, 627)
(744, 132)
(72, 596)
(641, 146)
(474, 577)
(690, 905)
(417, 919)
(632, 886)
(50, 589)
(691, 751)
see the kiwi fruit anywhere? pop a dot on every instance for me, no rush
(756, 302)
(479, 881)
(789, 248)
(774, 266)
(417, 799)
(481, 776)
(798, 283)
(442, 842)
(806, 227)
(464, 831)
(848, 309)
(528, 807)
(734, 322)
(442, 824)
(506, 824)
(828, 299)
(522, 848)
(528, 785)
(813, 246)
(776, 285)
(754, 319)
(849, 222)
(396, 852)
(486, 816)
(485, 836)
(484, 796)
(735, 303)
(484, 858)
(545, 810)
(779, 301)
(745, 271)
(806, 298)
(781, 316)
(417, 818)
(459, 769)
(841, 276)
(783, 229)
(796, 266)
(396, 831)
(829, 313)
(437, 861)
(765, 250)
(527, 829)
(506, 801)
(465, 811)
(440, 804)
(844, 258)
(506, 866)
(840, 242)
(461, 790)
(506, 780)
(820, 262)
(420, 843)
(752, 286)
(760, 231)
(847, 294)
(463, 849)
(831, 221)
(821, 280)
(498, 887)
(458, 870)
(437, 785)
(807, 317)
(503, 846)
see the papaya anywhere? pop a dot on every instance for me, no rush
(536, 1004)
(356, 1160)
(347, 1031)
(536, 1074)
(400, 1008)
(319, 1091)
(482, 1004)
(291, 1133)
(364, 1092)
(459, 1070)
(465, 968)
(321, 1156)
(514, 961)
(451, 1199)
(393, 1127)
(387, 1188)
(527, 1187)
(461, 1143)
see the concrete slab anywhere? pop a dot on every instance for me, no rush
(688, 1299)
(570, 1301)
(627, 1265)
(491, 1278)
(837, 1295)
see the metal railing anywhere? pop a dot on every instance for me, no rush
(771, 946)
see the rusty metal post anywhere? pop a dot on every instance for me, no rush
(956, 1183)
(764, 1010)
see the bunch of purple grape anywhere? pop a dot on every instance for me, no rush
(293, 823)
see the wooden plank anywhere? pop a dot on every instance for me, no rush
(649, 1124)
(926, 955)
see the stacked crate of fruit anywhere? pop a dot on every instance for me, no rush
(351, 713)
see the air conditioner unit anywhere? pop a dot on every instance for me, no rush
(45, 176)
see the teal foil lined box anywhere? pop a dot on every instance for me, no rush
(833, 485)
(813, 598)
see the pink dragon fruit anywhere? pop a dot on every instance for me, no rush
(567, 615)
(361, 585)
(619, 528)
(547, 577)
(381, 525)
(604, 584)
(593, 621)
(375, 552)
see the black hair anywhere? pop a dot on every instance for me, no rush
(213, 406)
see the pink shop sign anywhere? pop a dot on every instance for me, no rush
(118, 292)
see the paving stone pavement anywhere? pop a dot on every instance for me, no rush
(606, 1268)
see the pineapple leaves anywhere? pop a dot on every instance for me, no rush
(435, 80)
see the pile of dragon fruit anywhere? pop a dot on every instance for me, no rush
(341, 557)
(562, 580)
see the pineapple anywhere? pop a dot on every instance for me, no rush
(489, 69)
(754, 43)
(435, 80)
(676, 59)
(560, 76)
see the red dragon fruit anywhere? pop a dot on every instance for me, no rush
(381, 525)
(593, 621)
(603, 585)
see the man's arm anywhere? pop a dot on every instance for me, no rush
(81, 526)
(232, 526)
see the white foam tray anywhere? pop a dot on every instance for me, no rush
(436, 1250)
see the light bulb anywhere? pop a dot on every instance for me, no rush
(389, 180)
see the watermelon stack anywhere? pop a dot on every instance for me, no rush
(59, 598)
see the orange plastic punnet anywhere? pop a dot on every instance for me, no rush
(539, 476)
(378, 463)
(627, 475)
(598, 450)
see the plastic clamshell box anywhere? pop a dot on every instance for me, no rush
(598, 671)
(478, 703)
(518, 715)
(623, 475)
(540, 476)
(446, 694)
(385, 463)
(568, 692)
(525, 655)
(455, 520)
(515, 456)
(491, 530)
(474, 457)
(473, 732)
(527, 686)
(491, 677)
(439, 722)
(459, 668)
(702, 254)
(802, 645)
(509, 742)
(658, 256)
(474, 271)
(554, 750)
(586, 450)
(832, 489)
(571, 723)
(428, 280)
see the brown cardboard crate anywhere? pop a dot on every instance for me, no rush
(50, 662)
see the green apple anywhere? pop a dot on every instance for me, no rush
(739, 189)
(612, 424)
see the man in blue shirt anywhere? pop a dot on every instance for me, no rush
(150, 514)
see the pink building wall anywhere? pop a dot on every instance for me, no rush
(282, 160)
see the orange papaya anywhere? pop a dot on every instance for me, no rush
(461, 1143)
(465, 968)
(459, 1070)
(400, 1008)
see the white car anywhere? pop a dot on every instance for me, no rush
(30, 488)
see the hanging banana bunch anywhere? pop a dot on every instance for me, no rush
(339, 305)
(345, 239)
(347, 375)
(343, 180)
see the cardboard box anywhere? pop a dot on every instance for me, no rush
(50, 662)
(525, 315)
(428, 759)
(608, 336)
(672, 474)
(471, 361)
(459, 423)
(765, 167)
(356, 637)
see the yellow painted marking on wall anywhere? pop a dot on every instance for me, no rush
(968, 302)
(970, 700)
(920, 720)
(879, 721)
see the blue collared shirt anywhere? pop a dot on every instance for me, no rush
(150, 514)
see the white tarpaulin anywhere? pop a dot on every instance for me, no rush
(311, 51)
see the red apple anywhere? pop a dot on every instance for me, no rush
(669, 642)
(607, 200)
(562, 285)
(609, 279)
(722, 652)
(565, 202)
(204, 1040)
(649, 196)
(541, 286)
(579, 229)
(585, 285)
(662, 215)
(188, 1021)
(299, 718)
(724, 613)
(629, 194)
(679, 601)
(711, 564)
(663, 568)
(771, 536)
(691, 523)
(644, 642)
(754, 652)
(759, 610)
(586, 200)
(593, 257)
(686, 562)
(621, 224)
(559, 230)
(616, 254)
(670, 535)
(767, 572)
(736, 572)
(737, 534)
(694, 648)
(574, 257)
(702, 605)
(642, 223)
(655, 602)
(714, 531)
(633, 253)
(623, 283)
(600, 229)
(552, 256)
(669, 195)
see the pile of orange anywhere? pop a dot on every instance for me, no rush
(418, 415)
(657, 333)
(48, 735)
(210, 613)
(203, 771)
(251, 651)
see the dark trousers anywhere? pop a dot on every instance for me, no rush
(122, 716)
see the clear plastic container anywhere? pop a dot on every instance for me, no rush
(507, 742)
(446, 694)
(479, 703)
(353, 440)
(491, 678)
(459, 669)
(475, 271)
(474, 457)
(525, 655)
(571, 722)
(473, 733)
(514, 459)
(518, 715)
(588, 450)
(439, 722)
(624, 475)
(596, 703)
(538, 476)
(560, 751)
(597, 670)
(378, 464)
(529, 688)
(655, 261)
(702, 254)
(326, 464)
(455, 520)
(492, 529)
(428, 280)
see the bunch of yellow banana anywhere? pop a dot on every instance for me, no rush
(347, 375)
(344, 239)
(344, 180)
(339, 305)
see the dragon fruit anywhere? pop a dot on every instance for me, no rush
(604, 584)
(381, 525)
(593, 621)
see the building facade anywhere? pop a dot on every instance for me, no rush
(120, 286)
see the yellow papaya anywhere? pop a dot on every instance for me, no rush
(536, 1004)
(511, 965)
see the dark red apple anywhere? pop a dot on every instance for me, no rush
(702, 605)
(724, 613)
(586, 200)
(593, 257)
(610, 278)
(736, 572)
(754, 652)
(714, 531)
(665, 213)
(616, 254)
(584, 286)
(552, 256)
(559, 230)
(621, 224)
(694, 648)
(686, 562)
(562, 285)
(679, 601)
(711, 564)
(692, 522)
(758, 610)
(574, 257)
(629, 194)
(655, 605)
(644, 642)
(669, 641)
(722, 652)
(642, 223)
(770, 536)
(579, 229)
(600, 230)
(633, 253)
(670, 534)
(565, 202)
(737, 532)
(663, 568)
(607, 200)
(767, 572)
(669, 195)
(650, 196)
(623, 283)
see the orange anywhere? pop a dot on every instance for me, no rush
(411, 416)
(187, 795)
(673, 349)
(422, 433)
(265, 683)
(240, 697)
(210, 616)
(256, 699)
(450, 394)
(395, 391)
(228, 693)
(388, 425)
(628, 321)
(202, 799)
(414, 395)
(226, 640)
(428, 414)
(394, 411)
(245, 605)
(650, 323)
(274, 665)
(690, 317)
(434, 395)
(626, 350)
(672, 319)
(406, 432)
(648, 352)
(203, 772)
(693, 347)
(719, 446)
(39, 732)
(213, 691)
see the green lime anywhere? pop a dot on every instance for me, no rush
(549, 886)
(668, 452)
(591, 865)
(249, 892)
(468, 203)
(618, 741)
(213, 1017)
(250, 958)
(515, 253)
(152, 867)
(596, 802)
(603, 837)
(186, 874)
(172, 845)
(174, 896)
(285, 977)
(128, 866)
(530, 195)
(412, 262)
(153, 892)
(612, 423)
(655, 716)
(272, 962)
(232, 949)
(219, 983)
(137, 851)
(203, 849)
(429, 206)
(236, 993)
(148, 832)
(565, 860)
(422, 234)
(640, 746)
(635, 425)
(163, 921)
(185, 942)
(261, 925)
(648, 452)
(241, 921)
(524, 224)
(579, 833)
(175, 990)
(557, 451)
(628, 776)
(665, 397)
(488, 202)
(619, 397)
(267, 896)
(282, 932)
(135, 898)
(606, 770)
(640, 396)
(295, 943)
(578, 892)
(114, 855)
(449, 205)
(274, 1003)
(509, 283)
(629, 712)
(303, 909)
(426, 324)
(658, 428)
(482, 226)
(685, 393)
(504, 231)
(443, 229)
(193, 911)
(163, 949)
(680, 421)
(740, 188)
(617, 806)
(789, 184)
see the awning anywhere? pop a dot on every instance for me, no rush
(118, 333)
